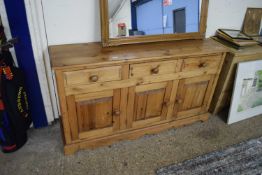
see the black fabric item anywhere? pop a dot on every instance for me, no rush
(6, 58)
(16, 106)
(16, 109)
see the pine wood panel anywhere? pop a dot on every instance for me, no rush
(78, 56)
(131, 106)
(63, 108)
(155, 68)
(172, 101)
(95, 114)
(80, 89)
(148, 104)
(140, 106)
(193, 96)
(94, 95)
(72, 117)
(155, 100)
(210, 62)
(88, 76)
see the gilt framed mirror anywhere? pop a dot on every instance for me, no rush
(141, 21)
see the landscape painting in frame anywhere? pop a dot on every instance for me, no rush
(246, 101)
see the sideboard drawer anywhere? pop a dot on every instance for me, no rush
(207, 63)
(154, 68)
(88, 76)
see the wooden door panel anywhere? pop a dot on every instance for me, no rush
(187, 97)
(140, 106)
(199, 95)
(94, 113)
(155, 103)
(147, 103)
(193, 96)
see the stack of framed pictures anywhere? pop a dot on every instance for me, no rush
(247, 96)
(235, 37)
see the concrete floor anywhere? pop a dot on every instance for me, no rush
(43, 152)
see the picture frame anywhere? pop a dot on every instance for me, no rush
(246, 101)
(234, 34)
(108, 42)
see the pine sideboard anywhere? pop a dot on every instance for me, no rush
(125, 92)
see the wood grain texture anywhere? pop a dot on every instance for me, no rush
(72, 117)
(91, 55)
(154, 68)
(134, 98)
(86, 76)
(204, 63)
(63, 107)
(192, 96)
(252, 21)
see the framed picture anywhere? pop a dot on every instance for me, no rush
(234, 34)
(246, 101)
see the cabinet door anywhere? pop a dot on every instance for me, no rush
(148, 104)
(94, 114)
(193, 96)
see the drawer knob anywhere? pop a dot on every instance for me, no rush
(155, 70)
(116, 113)
(166, 103)
(202, 65)
(94, 78)
(179, 101)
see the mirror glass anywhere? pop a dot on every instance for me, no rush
(129, 18)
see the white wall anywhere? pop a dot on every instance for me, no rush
(72, 21)
(228, 14)
(78, 21)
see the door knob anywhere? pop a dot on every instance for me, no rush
(179, 101)
(202, 65)
(166, 103)
(116, 113)
(155, 70)
(94, 78)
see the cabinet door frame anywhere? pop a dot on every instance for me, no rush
(131, 124)
(206, 101)
(73, 118)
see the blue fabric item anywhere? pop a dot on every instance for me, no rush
(6, 122)
(19, 28)
(2, 137)
(5, 125)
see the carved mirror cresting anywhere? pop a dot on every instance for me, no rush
(141, 21)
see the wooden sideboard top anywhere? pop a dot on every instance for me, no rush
(255, 50)
(63, 56)
(247, 51)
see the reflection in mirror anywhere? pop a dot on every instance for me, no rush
(129, 18)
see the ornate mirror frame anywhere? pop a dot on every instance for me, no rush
(107, 41)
